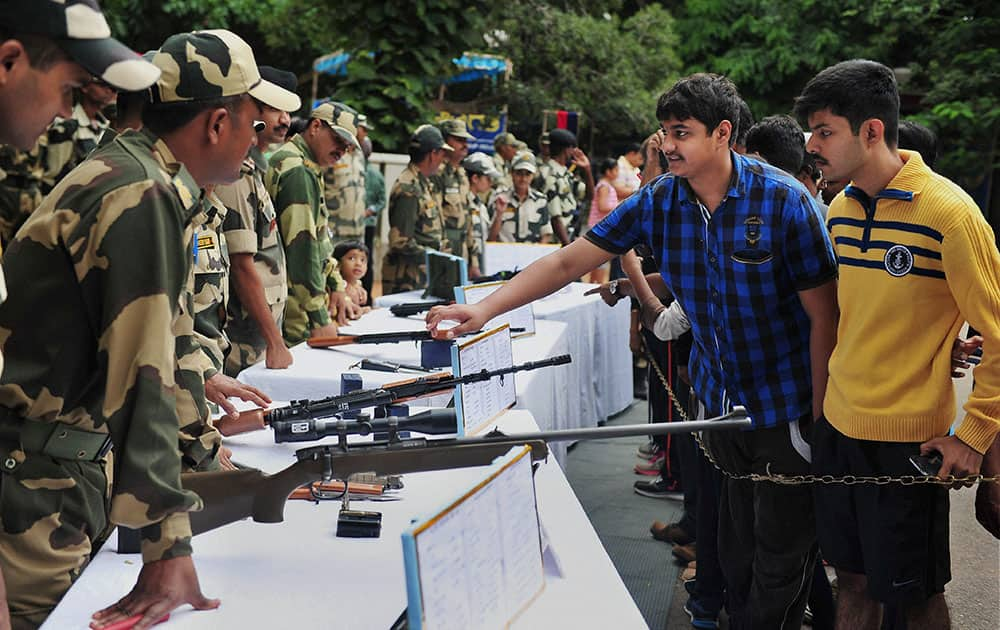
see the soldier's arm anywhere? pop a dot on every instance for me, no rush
(141, 281)
(404, 208)
(241, 238)
(56, 153)
(472, 243)
(296, 201)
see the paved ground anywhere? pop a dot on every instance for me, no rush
(601, 474)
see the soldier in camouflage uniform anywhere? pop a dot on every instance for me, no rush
(20, 188)
(520, 213)
(211, 282)
(114, 245)
(69, 141)
(556, 182)
(295, 183)
(258, 276)
(35, 74)
(504, 150)
(453, 183)
(482, 174)
(344, 184)
(415, 222)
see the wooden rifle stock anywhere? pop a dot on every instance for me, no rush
(331, 341)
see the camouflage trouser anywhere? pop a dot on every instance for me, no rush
(199, 444)
(53, 514)
(401, 273)
(16, 205)
(247, 345)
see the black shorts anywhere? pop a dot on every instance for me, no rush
(895, 535)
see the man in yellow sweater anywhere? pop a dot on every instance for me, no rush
(917, 260)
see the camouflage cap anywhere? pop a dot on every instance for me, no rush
(544, 138)
(428, 138)
(341, 118)
(521, 145)
(480, 163)
(524, 161)
(364, 122)
(213, 64)
(79, 28)
(504, 139)
(284, 80)
(455, 127)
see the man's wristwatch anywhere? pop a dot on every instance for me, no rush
(613, 287)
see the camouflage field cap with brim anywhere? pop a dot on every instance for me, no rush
(504, 139)
(524, 161)
(79, 28)
(455, 127)
(364, 122)
(428, 138)
(213, 64)
(342, 119)
(283, 79)
(481, 164)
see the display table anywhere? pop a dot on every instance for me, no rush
(297, 574)
(546, 392)
(598, 341)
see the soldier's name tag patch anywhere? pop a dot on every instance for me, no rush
(341, 165)
(898, 261)
(451, 190)
(206, 241)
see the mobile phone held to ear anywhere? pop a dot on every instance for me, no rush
(927, 465)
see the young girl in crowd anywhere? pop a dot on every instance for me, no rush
(605, 200)
(352, 256)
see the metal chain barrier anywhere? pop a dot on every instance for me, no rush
(797, 480)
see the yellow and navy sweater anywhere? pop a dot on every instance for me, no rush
(917, 260)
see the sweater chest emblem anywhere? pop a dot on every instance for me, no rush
(898, 261)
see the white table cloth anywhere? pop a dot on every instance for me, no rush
(598, 341)
(298, 574)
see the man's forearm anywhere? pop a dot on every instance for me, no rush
(560, 230)
(251, 293)
(822, 338)
(547, 275)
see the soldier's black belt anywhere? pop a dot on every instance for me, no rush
(54, 439)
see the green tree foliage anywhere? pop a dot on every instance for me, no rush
(609, 69)
(771, 48)
(399, 52)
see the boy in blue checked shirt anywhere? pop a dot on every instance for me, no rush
(742, 248)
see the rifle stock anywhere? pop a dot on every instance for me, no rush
(230, 496)
(247, 421)
(331, 341)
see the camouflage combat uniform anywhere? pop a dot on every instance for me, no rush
(479, 216)
(251, 227)
(345, 197)
(556, 182)
(415, 224)
(455, 212)
(503, 166)
(211, 283)
(20, 188)
(295, 183)
(68, 142)
(112, 247)
(524, 221)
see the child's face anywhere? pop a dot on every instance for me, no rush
(354, 265)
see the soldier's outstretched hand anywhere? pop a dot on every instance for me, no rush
(470, 318)
(220, 388)
(163, 585)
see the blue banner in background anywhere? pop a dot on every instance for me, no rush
(484, 127)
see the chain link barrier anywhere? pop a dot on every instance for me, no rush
(798, 480)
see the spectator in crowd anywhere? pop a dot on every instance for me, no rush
(605, 200)
(374, 204)
(504, 150)
(905, 236)
(627, 179)
(556, 181)
(482, 175)
(915, 137)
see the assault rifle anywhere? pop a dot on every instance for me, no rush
(234, 495)
(413, 308)
(283, 419)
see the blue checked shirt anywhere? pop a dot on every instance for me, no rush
(737, 274)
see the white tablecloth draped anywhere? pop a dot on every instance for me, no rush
(598, 341)
(298, 574)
